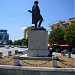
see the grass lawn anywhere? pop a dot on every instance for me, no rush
(64, 62)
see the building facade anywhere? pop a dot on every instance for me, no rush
(4, 36)
(62, 24)
(26, 31)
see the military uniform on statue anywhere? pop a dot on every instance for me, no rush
(38, 36)
(36, 16)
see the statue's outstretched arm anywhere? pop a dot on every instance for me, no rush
(30, 11)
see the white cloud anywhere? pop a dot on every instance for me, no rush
(24, 28)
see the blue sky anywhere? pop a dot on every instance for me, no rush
(14, 14)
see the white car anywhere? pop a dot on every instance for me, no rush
(7, 46)
(21, 51)
(12, 46)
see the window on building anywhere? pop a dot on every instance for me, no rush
(1, 37)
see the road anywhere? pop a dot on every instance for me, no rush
(59, 54)
(5, 51)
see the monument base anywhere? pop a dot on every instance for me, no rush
(38, 53)
(37, 43)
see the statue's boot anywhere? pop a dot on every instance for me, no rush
(40, 21)
(35, 25)
(39, 25)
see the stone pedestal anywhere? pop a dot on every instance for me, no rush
(1, 54)
(16, 60)
(38, 43)
(9, 53)
(54, 61)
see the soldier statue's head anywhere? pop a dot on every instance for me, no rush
(35, 2)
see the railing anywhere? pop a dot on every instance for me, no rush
(54, 60)
(46, 59)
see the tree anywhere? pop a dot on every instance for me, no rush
(24, 42)
(56, 36)
(69, 36)
(21, 42)
(15, 42)
(18, 42)
(9, 42)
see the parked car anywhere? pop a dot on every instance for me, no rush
(7, 46)
(58, 50)
(65, 50)
(19, 46)
(1, 45)
(20, 51)
(12, 46)
(73, 50)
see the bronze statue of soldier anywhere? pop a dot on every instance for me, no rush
(36, 16)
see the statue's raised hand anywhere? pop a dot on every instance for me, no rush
(30, 11)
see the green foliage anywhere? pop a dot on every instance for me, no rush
(18, 42)
(24, 42)
(21, 42)
(9, 42)
(69, 36)
(61, 35)
(56, 36)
